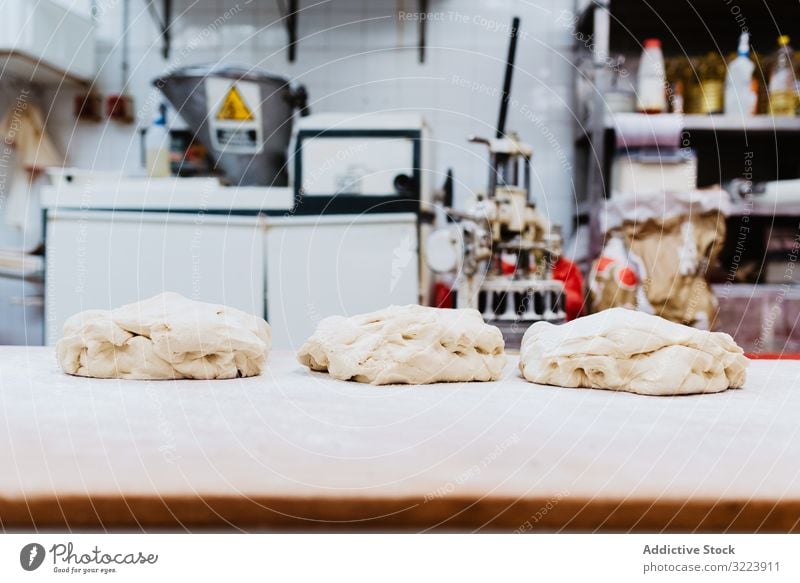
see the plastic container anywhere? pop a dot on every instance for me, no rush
(651, 79)
(156, 148)
(782, 91)
(740, 94)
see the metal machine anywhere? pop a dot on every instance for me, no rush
(242, 115)
(502, 248)
(352, 163)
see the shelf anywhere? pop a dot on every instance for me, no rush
(740, 210)
(724, 123)
(784, 212)
(28, 68)
(759, 124)
(694, 27)
(755, 290)
(584, 208)
(686, 28)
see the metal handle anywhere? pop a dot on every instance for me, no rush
(298, 98)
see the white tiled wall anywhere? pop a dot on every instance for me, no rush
(359, 55)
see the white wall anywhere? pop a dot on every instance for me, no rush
(358, 55)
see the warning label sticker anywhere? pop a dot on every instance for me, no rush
(234, 116)
(234, 108)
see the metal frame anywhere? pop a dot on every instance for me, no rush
(595, 179)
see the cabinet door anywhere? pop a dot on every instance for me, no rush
(100, 260)
(337, 265)
(21, 311)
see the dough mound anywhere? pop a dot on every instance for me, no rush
(164, 337)
(411, 345)
(624, 350)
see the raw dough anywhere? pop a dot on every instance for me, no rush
(407, 344)
(165, 337)
(624, 350)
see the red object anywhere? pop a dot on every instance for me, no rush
(88, 107)
(120, 108)
(626, 278)
(604, 263)
(652, 43)
(508, 265)
(566, 271)
(442, 295)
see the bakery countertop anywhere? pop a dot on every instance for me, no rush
(84, 190)
(296, 450)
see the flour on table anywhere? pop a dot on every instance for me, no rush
(165, 337)
(625, 350)
(407, 344)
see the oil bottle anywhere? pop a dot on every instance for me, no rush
(782, 91)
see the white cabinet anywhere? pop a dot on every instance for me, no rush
(20, 310)
(100, 260)
(294, 270)
(337, 264)
(46, 42)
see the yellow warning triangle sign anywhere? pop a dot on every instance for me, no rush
(234, 108)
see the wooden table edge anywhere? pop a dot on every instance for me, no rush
(351, 514)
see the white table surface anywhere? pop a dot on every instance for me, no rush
(294, 449)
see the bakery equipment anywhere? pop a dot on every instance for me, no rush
(503, 248)
(363, 165)
(360, 163)
(243, 116)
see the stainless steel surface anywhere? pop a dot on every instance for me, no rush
(186, 90)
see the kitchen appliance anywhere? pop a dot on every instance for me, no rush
(361, 163)
(502, 248)
(375, 164)
(242, 115)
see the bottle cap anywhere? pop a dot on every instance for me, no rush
(744, 44)
(652, 43)
(783, 40)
